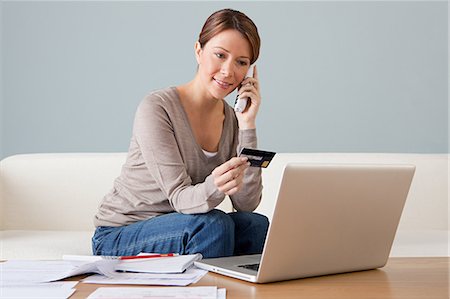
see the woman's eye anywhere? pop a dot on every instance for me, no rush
(243, 63)
(219, 55)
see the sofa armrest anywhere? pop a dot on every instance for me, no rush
(56, 191)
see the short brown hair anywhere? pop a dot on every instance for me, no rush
(231, 19)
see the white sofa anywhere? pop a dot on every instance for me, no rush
(47, 201)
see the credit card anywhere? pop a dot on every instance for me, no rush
(257, 158)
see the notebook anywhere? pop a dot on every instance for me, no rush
(328, 219)
(165, 264)
(175, 264)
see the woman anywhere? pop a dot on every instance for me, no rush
(182, 158)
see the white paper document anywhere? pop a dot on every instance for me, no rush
(31, 271)
(63, 289)
(148, 271)
(191, 275)
(170, 264)
(153, 293)
(173, 264)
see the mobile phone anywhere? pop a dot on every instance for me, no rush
(241, 103)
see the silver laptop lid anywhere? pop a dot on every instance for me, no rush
(333, 219)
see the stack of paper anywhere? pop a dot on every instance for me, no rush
(169, 271)
(175, 264)
(191, 275)
(158, 271)
(33, 279)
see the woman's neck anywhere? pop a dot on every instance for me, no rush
(195, 95)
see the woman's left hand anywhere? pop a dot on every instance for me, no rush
(250, 90)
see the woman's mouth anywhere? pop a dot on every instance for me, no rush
(222, 84)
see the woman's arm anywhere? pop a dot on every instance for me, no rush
(154, 133)
(249, 196)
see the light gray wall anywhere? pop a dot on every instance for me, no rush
(335, 76)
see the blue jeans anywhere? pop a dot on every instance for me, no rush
(213, 234)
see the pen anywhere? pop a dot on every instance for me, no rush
(132, 257)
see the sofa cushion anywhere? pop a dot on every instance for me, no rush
(55, 191)
(43, 244)
(47, 201)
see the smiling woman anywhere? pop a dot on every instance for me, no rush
(182, 158)
(225, 59)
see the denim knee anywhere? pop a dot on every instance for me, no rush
(218, 222)
(96, 240)
(260, 221)
(251, 231)
(256, 223)
(212, 234)
(251, 220)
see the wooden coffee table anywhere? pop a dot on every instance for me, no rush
(407, 278)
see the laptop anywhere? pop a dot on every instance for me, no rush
(328, 219)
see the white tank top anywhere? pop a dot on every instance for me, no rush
(209, 154)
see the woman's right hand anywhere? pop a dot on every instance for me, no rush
(229, 176)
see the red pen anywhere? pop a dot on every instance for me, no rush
(132, 257)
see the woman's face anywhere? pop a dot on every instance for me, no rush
(223, 62)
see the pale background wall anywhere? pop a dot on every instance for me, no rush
(336, 76)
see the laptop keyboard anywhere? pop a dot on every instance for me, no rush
(254, 267)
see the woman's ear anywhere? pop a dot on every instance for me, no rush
(198, 51)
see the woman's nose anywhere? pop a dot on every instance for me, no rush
(226, 69)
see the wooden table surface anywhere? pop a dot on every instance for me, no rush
(407, 278)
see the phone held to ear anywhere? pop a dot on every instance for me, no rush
(241, 103)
